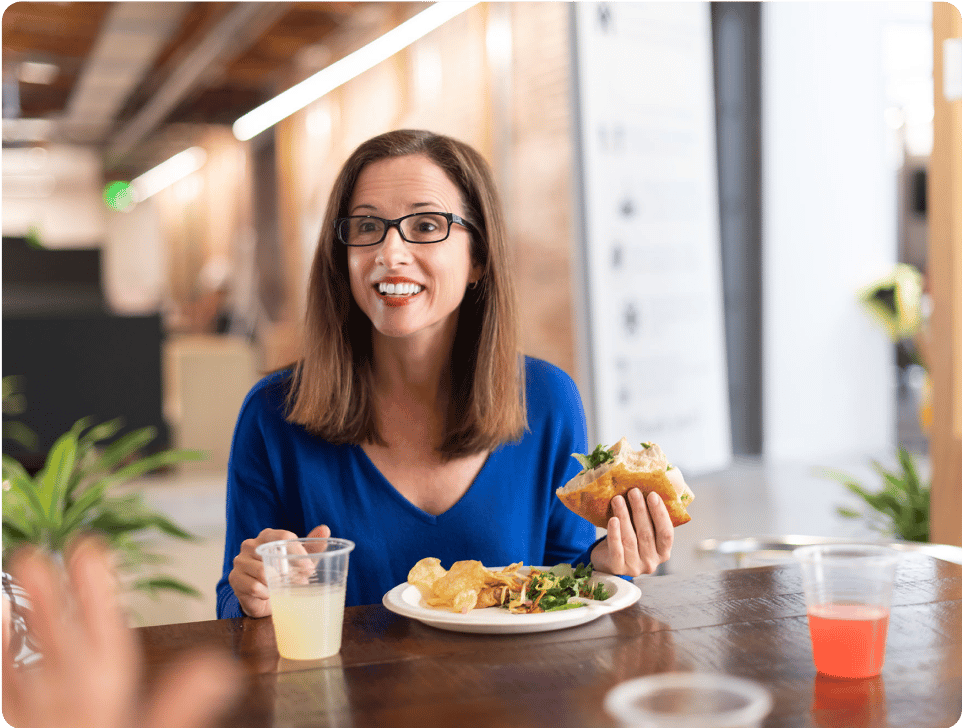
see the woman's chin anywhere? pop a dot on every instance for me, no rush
(393, 326)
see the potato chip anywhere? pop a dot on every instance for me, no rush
(424, 573)
(505, 577)
(445, 603)
(467, 585)
(465, 601)
(463, 576)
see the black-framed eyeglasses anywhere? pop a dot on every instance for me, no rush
(421, 228)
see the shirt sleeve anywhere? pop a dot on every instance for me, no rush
(570, 537)
(253, 501)
(566, 528)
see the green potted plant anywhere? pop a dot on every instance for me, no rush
(900, 509)
(79, 489)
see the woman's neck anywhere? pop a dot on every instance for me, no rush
(413, 371)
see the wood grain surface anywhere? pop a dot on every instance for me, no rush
(393, 671)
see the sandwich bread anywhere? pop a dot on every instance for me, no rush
(618, 469)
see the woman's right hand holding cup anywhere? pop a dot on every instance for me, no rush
(247, 578)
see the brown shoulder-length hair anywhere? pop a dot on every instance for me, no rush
(331, 393)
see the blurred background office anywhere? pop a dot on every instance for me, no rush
(704, 200)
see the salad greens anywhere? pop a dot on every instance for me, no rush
(550, 591)
(599, 455)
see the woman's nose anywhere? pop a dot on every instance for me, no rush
(393, 249)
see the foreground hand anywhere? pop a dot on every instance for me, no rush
(639, 540)
(247, 577)
(90, 670)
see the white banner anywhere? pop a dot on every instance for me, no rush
(651, 257)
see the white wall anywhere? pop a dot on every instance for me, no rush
(828, 229)
(134, 260)
(55, 191)
(650, 230)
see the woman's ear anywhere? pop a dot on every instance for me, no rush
(477, 272)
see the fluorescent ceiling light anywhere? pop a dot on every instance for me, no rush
(310, 89)
(166, 173)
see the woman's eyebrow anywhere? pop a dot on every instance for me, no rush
(415, 205)
(363, 207)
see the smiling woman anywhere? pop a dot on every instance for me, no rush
(410, 281)
(411, 424)
(411, 171)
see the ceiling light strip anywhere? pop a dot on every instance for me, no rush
(297, 97)
(167, 173)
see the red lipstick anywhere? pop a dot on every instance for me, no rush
(396, 300)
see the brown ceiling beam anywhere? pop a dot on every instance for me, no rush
(227, 40)
(132, 35)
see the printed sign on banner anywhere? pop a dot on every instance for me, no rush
(651, 257)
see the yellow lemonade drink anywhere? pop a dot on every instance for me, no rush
(308, 620)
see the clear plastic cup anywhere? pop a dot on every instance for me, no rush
(848, 593)
(307, 581)
(689, 700)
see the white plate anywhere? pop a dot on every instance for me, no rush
(405, 599)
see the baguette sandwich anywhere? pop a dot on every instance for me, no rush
(616, 470)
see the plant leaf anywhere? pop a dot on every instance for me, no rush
(154, 584)
(848, 512)
(54, 478)
(911, 476)
(862, 493)
(101, 432)
(12, 468)
(895, 489)
(121, 448)
(80, 425)
(168, 527)
(836, 475)
(113, 524)
(13, 536)
(21, 483)
(91, 498)
(129, 516)
(891, 504)
(19, 524)
(88, 462)
(20, 433)
(139, 557)
(152, 462)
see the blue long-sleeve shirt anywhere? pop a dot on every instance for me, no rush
(281, 476)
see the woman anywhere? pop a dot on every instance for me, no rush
(411, 424)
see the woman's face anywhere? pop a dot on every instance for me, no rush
(432, 277)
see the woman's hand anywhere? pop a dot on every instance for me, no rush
(639, 540)
(247, 577)
(89, 673)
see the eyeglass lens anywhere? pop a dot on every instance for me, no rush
(421, 228)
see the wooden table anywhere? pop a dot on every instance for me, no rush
(749, 622)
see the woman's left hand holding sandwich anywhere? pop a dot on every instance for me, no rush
(640, 536)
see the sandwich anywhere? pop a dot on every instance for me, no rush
(608, 472)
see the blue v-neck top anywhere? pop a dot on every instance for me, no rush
(281, 476)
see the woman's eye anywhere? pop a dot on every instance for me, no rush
(366, 227)
(426, 226)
